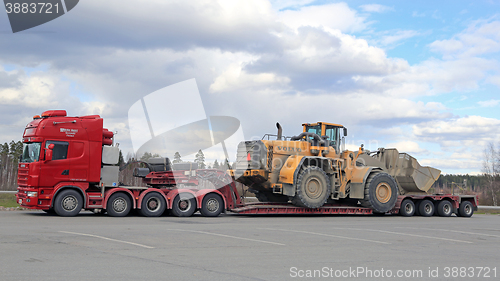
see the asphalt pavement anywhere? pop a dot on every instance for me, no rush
(38, 246)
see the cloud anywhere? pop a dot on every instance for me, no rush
(376, 8)
(410, 147)
(394, 38)
(480, 38)
(489, 103)
(336, 16)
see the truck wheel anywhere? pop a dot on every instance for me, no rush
(68, 203)
(444, 208)
(313, 188)
(212, 205)
(119, 205)
(426, 208)
(407, 208)
(153, 205)
(381, 193)
(183, 205)
(466, 209)
(267, 196)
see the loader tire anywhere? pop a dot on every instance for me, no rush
(267, 196)
(381, 193)
(313, 188)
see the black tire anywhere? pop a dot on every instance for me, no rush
(407, 208)
(119, 205)
(466, 209)
(212, 205)
(68, 203)
(381, 193)
(426, 208)
(313, 188)
(153, 205)
(444, 208)
(267, 196)
(183, 205)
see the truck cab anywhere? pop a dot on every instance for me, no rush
(60, 152)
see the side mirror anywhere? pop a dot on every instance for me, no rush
(48, 152)
(345, 132)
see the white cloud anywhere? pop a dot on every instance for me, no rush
(489, 103)
(336, 16)
(409, 147)
(376, 8)
(480, 38)
(395, 37)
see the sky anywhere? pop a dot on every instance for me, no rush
(420, 76)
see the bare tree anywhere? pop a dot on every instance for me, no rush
(491, 170)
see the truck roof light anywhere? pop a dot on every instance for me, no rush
(54, 113)
(36, 117)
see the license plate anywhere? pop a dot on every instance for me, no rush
(20, 201)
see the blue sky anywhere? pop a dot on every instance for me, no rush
(421, 76)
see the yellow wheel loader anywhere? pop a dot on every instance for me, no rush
(314, 168)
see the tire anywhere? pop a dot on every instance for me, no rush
(212, 205)
(119, 205)
(407, 208)
(426, 208)
(313, 188)
(68, 203)
(153, 205)
(466, 209)
(267, 196)
(183, 206)
(381, 193)
(444, 208)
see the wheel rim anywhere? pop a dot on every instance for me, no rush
(427, 208)
(184, 205)
(408, 208)
(383, 192)
(69, 203)
(119, 205)
(314, 188)
(468, 209)
(446, 209)
(153, 204)
(212, 205)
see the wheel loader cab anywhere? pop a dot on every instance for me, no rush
(331, 133)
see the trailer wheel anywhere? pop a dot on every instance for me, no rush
(153, 205)
(68, 203)
(119, 205)
(426, 208)
(212, 205)
(466, 209)
(313, 188)
(444, 208)
(381, 193)
(183, 205)
(407, 208)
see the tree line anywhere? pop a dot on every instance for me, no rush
(486, 185)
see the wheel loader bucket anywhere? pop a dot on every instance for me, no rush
(405, 169)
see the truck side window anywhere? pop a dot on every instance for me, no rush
(60, 150)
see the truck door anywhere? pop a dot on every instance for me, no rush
(56, 170)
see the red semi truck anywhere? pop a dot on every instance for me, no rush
(70, 163)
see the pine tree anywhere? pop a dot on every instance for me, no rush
(177, 158)
(226, 165)
(216, 164)
(200, 159)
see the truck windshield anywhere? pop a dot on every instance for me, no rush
(314, 129)
(31, 152)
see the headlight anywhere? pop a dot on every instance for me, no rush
(32, 194)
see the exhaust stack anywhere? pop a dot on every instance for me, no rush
(280, 130)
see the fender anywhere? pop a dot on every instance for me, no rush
(149, 190)
(201, 194)
(172, 194)
(119, 189)
(78, 186)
